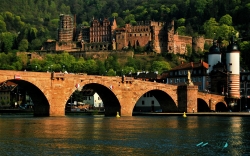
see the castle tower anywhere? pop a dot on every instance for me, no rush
(233, 68)
(170, 34)
(214, 56)
(66, 27)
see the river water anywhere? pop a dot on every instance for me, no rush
(137, 135)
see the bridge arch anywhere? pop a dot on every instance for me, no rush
(166, 102)
(110, 101)
(39, 99)
(202, 106)
(221, 107)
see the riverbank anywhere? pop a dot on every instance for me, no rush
(96, 112)
(193, 114)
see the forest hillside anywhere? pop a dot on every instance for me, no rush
(26, 24)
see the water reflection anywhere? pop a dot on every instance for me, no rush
(99, 135)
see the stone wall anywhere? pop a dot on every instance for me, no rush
(180, 44)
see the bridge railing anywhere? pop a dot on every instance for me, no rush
(57, 76)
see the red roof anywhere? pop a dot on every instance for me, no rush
(191, 65)
(7, 86)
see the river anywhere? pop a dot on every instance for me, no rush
(110, 136)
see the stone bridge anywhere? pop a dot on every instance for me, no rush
(51, 91)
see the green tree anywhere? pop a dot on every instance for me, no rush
(23, 45)
(160, 66)
(181, 30)
(181, 22)
(226, 20)
(111, 72)
(7, 40)
(2, 26)
(115, 14)
(210, 28)
(35, 44)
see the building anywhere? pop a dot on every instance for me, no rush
(104, 35)
(225, 77)
(178, 74)
(245, 89)
(92, 98)
(147, 103)
(8, 94)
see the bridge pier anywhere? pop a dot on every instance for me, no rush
(187, 98)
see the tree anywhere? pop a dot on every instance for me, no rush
(7, 40)
(160, 66)
(2, 26)
(226, 19)
(23, 45)
(181, 22)
(35, 44)
(129, 18)
(115, 14)
(210, 28)
(181, 30)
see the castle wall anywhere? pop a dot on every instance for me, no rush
(199, 42)
(180, 44)
(104, 35)
(159, 36)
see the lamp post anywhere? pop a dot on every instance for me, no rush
(240, 102)
(71, 102)
(51, 68)
(130, 73)
(63, 68)
(36, 68)
(245, 89)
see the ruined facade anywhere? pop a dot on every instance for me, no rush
(66, 27)
(104, 35)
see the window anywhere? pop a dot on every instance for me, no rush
(152, 102)
(176, 80)
(194, 79)
(142, 102)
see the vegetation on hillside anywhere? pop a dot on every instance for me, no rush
(26, 24)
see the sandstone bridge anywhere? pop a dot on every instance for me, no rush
(51, 91)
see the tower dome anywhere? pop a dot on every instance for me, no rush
(214, 56)
(214, 49)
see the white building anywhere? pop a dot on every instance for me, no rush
(147, 103)
(92, 98)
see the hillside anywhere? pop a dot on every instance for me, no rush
(26, 24)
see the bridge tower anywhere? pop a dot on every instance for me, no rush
(214, 56)
(233, 74)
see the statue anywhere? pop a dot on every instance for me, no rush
(189, 75)
(189, 81)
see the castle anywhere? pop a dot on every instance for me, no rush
(104, 35)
